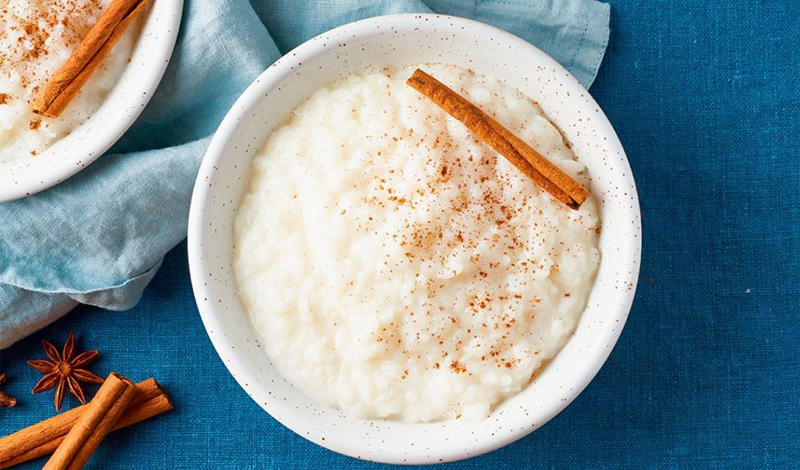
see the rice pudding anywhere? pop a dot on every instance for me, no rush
(36, 39)
(395, 266)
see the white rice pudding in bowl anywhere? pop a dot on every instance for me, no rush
(395, 265)
(36, 39)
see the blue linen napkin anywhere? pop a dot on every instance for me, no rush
(99, 237)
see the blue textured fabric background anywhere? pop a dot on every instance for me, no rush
(705, 97)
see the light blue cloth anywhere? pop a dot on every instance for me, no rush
(99, 237)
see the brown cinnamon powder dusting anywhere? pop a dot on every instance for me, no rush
(431, 241)
(35, 30)
(467, 186)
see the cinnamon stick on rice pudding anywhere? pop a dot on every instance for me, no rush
(37, 38)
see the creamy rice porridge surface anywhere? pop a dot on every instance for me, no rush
(395, 266)
(36, 38)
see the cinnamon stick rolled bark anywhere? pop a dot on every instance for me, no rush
(71, 77)
(87, 433)
(544, 173)
(43, 438)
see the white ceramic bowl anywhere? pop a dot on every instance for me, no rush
(124, 103)
(404, 40)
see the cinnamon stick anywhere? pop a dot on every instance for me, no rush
(87, 433)
(71, 77)
(43, 438)
(544, 173)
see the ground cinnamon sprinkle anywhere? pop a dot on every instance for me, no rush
(30, 31)
(458, 367)
(427, 242)
(4, 98)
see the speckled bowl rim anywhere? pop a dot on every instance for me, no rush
(90, 140)
(213, 315)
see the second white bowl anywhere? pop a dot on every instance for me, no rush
(69, 155)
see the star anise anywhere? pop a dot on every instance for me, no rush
(5, 399)
(64, 370)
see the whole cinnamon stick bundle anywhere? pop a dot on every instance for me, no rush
(43, 438)
(71, 77)
(526, 159)
(92, 427)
